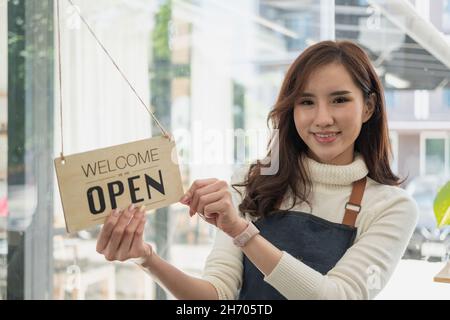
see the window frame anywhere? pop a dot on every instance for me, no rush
(424, 136)
(30, 114)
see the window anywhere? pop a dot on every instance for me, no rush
(206, 68)
(447, 98)
(446, 17)
(362, 2)
(390, 99)
(302, 24)
(434, 154)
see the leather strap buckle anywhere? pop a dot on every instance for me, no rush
(353, 207)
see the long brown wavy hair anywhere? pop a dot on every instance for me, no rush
(264, 193)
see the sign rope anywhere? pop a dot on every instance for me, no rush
(163, 130)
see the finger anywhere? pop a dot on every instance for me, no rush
(140, 229)
(125, 244)
(138, 237)
(206, 199)
(118, 231)
(105, 233)
(211, 218)
(214, 187)
(213, 208)
(197, 184)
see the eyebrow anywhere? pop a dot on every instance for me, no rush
(336, 93)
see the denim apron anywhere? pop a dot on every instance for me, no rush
(317, 242)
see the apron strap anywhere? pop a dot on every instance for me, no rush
(353, 206)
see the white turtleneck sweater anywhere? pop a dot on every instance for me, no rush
(384, 226)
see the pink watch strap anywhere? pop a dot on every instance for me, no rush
(242, 239)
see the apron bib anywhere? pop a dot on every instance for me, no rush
(317, 242)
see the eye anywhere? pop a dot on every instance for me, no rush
(305, 103)
(341, 100)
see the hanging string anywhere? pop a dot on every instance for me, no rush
(163, 131)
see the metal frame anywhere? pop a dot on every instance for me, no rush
(30, 246)
(418, 28)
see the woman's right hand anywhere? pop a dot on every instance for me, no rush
(121, 237)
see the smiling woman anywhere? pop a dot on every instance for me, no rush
(331, 223)
(330, 220)
(318, 238)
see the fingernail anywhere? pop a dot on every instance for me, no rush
(131, 207)
(116, 212)
(142, 208)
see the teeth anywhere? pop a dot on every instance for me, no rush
(326, 135)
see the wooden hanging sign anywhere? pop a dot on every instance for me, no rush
(93, 183)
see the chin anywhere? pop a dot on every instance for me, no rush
(326, 158)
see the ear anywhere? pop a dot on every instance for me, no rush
(369, 107)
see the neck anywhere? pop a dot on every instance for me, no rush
(344, 158)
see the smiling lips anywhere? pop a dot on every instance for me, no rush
(325, 137)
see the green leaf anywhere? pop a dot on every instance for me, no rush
(441, 206)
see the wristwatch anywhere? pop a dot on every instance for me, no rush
(242, 239)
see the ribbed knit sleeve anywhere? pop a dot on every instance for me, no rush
(224, 265)
(223, 268)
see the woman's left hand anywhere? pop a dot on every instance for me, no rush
(211, 198)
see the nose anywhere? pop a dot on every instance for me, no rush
(324, 116)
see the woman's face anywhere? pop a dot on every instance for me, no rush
(330, 113)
